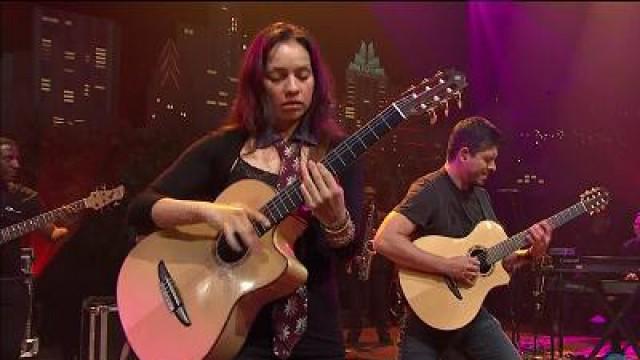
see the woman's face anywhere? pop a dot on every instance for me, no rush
(289, 82)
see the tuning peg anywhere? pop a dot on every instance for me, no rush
(410, 89)
(433, 117)
(446, 107)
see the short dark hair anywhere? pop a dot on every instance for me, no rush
(475, 133)
(7, 141)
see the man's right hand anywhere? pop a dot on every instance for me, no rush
(464, 269)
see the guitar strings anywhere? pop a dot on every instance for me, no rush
(16, 230)
(338, 153)
(517, 241)
(293, 189)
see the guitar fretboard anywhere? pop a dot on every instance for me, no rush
(337, 160)
(519, 240)
(17, 230)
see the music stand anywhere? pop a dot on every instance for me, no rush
(562, 255)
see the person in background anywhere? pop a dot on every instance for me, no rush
(17, 203)
(369, 278)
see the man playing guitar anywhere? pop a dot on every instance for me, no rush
(450, 202)
(17, 203)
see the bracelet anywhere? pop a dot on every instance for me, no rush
(526, 255)
(340, 228)
(337, 240)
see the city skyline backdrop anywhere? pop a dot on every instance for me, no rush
(112, 92)
(169, 63)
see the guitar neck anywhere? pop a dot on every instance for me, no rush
(519, 240)
(337, 160)
(22, 228)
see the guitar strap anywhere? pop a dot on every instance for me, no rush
(236, 145)
(483, 198)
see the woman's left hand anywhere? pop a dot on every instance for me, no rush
(322, 194)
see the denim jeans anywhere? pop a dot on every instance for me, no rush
(481, 339)
(262, 349)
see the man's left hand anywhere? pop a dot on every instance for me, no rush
(59, 233)
(539, 236)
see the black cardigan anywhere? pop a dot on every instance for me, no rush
(201, 173)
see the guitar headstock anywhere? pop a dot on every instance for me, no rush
(595, 199)
(101, 198)
(432, 94)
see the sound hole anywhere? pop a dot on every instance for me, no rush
(226, 253)
(481, 255)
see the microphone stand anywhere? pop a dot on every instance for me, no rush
(515, 322)
(539, 302)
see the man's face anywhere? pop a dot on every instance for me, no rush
(369, 196)
(9, 163)
(636, 225)
(480, 165)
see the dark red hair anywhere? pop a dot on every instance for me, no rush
(250, 109)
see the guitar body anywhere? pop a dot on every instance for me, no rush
(428, 294)
(44, 250)
(222, 299)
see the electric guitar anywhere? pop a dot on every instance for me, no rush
(184, 294)
(444, 304)
(96, 200)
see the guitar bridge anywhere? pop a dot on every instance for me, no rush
(171, 295)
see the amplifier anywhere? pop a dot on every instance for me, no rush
(101, 331)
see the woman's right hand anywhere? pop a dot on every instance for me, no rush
(462, 268)
(235, 220)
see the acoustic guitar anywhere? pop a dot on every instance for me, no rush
(444, 304)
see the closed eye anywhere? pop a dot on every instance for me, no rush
(279, 74)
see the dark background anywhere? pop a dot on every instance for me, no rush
(558, 79)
